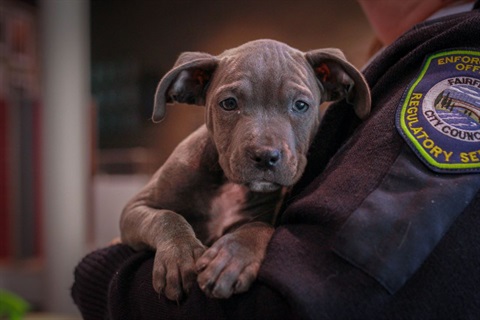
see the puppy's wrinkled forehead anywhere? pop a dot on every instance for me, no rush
(264, 61)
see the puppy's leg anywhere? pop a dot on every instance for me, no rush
(177, 248)
(231, 265)
(164, 215)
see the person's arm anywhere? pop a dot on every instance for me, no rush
(116, 283)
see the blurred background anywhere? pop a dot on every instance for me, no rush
(77, 79)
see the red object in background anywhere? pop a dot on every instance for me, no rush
(5, 248)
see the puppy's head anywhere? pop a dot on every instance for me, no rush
(262, 102)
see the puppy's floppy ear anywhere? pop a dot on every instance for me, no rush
(339, 79)
(185, 83)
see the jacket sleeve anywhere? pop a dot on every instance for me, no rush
(116, 283)
(374, 232)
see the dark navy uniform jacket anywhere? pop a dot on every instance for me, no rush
(385, 223)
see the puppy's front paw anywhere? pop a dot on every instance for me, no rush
(231, 265)
(174, 270)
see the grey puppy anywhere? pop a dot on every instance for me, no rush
(209, 210)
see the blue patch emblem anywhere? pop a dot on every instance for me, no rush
(439, 116)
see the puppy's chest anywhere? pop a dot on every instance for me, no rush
(233, 206)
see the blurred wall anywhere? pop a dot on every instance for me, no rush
(65, 46)
(158, 30)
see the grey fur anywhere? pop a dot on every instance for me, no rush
(209, 210)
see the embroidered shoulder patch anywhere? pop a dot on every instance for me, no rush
(440, 114)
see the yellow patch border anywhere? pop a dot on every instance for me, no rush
(405, 130)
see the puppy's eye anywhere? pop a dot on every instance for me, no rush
(228, 104)
(300, 106)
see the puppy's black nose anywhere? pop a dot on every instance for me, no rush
(265, 157)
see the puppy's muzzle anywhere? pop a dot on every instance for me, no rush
(265, 160)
